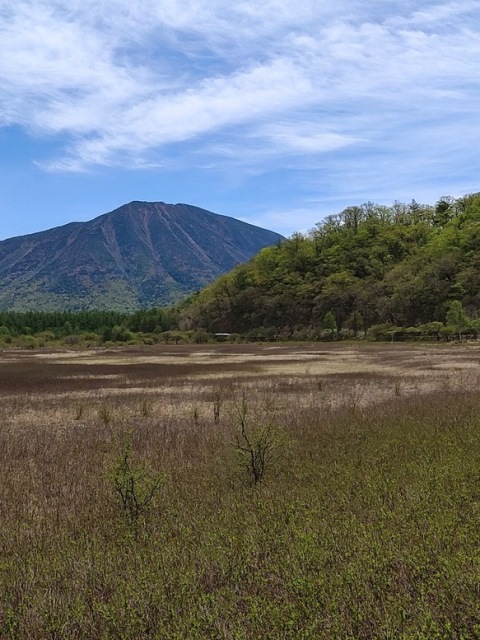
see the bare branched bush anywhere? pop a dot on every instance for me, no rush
(135, 486)
(195, 415)
(257, 446)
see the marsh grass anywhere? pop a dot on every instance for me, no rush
(366, 527)
(146, 406)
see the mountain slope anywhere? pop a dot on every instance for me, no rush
(139, 255)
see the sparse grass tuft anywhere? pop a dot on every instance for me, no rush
(146, 406)
(105, 414)
(79, 411)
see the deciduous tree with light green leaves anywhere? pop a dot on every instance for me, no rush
(457, 318)
(329, 323)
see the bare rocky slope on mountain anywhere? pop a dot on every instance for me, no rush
(140, 255)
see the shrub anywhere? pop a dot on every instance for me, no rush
(46, 336)
(200, 336)
(121, 334)
(28, 342)
(258, 447)
(105, 414)
(134, 486)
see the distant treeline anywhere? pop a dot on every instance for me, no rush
(104, 323)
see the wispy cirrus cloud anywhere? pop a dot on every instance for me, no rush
(259, 85)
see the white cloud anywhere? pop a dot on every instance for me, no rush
(436, 12)
(126, 83)
(304, 138)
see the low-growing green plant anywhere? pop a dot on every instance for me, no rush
(134, 485)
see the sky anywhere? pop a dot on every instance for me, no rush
(275, 112)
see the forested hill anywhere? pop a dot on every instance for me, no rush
(368, 266)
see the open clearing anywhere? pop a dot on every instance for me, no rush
(128, 506)
(181, 379)
(367, 373)
(155, 366)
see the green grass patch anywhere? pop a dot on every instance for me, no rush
(367, 527)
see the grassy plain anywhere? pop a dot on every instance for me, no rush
(128, 508)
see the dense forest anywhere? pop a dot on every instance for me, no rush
(409, 270)
(43, 327)
(370, 268)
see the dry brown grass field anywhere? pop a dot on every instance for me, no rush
(241, 491)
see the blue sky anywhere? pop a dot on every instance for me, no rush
(274, 112)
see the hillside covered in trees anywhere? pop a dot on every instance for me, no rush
(369, 268)
(408, 270)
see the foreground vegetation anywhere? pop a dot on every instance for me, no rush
(129, 507)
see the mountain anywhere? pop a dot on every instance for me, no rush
(140, 255)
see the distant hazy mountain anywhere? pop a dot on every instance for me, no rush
(142, 254)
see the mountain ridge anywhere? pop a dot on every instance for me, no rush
(140, 254)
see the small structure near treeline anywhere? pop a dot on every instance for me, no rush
(222, 336)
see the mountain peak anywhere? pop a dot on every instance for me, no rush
(139, 255)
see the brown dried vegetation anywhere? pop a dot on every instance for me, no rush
(365, 526)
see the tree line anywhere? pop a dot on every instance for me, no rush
(108, 325)
(369, 269)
